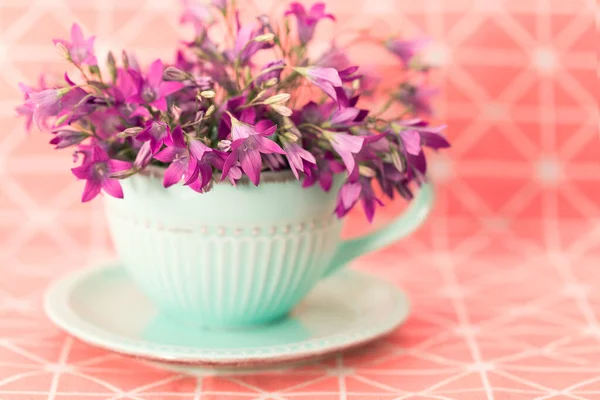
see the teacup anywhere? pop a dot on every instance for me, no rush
(237, 256)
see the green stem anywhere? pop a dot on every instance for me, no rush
(385, 107)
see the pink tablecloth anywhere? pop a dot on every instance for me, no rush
(499, 312)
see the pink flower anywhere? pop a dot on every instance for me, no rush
(327, 79)
(153, 90)
(156, 133)
(28, 107)
(193, 161)
(405, 49)
(52, 102)
(411, 141)
(270, 71)
(326, 167)
(245, 46)
(299, 158)
(248, 144)
(67, 137)
(346, 146)
(96, 170)
(196, 14)
(307, 21)
(81, 50)
(354, 189)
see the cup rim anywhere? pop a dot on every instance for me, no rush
(155, 171)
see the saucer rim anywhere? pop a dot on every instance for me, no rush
(57, 309)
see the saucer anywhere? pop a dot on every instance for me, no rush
(102, 307)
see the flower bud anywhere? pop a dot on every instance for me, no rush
(271, 82)
(266, 37)
(130, 132)
(209, 111)
(224, 145)
(125, 59)
(176, 112)
(112, 66)
(277, 99)
(94, 70)
(143, 157)
(290, 136)
(174, 74)
(207, 94)
(397, 160)
(123, 174)
(366, 171)
(281, 110)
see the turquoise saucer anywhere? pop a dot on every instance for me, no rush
(102, 307)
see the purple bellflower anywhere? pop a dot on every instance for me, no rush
(299, 159)
(270, 71)
(307, 21)
(96, 170)
(346, 146)
(405, 50)
(327, 79)
(64, 138)
(355, 188)
(153, 90)
(81, 50)
(248, 144)
(196, 14)
(53, 102)
(246, 45)
(155, 133)
(327, 167)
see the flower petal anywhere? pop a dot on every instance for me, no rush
(112, 187)
(144, 156)
(84, 171)
(205, 173)
(174, 172)
(77, 35)
(412, 141)
(90, 190)
(434, 140)
(155, 73)
(160, 104)
(118, 165)
(330, 75)
(228, 164)
(251, 163)
(349, 194)
(267, 146)
(198, 149)
(168, 154)
(168, 88)
(192, 171)
(265, 127)
(344, 115)
(176, 138)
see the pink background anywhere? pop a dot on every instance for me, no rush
(505, 278)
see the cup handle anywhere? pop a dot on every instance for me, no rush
(402, 226)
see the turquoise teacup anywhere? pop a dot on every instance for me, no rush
(241, 256)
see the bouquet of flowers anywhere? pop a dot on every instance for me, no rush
(216, 113)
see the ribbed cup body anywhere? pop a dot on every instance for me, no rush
(230, 257)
